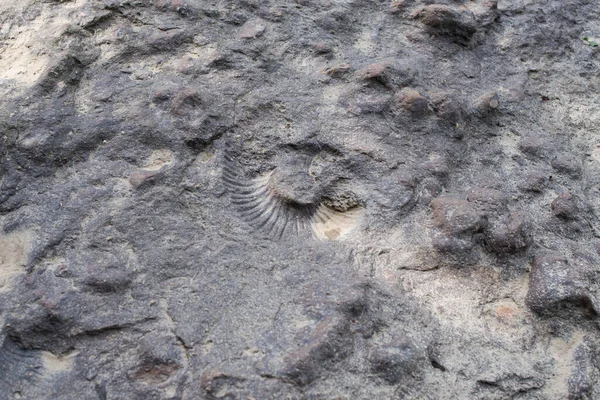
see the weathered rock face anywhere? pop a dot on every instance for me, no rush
(299, 200)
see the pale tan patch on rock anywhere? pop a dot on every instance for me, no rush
(158, 159)
(22, 61)
(330, 224)
(331, 95)
(561, 351)
(14, 250)
(154, 373)
(508, 312)
(55, 364)
(509, 143)
(596, 153)
(25, 56)
(302, 323)
(207, 346)
(206, 156)
(365, 42)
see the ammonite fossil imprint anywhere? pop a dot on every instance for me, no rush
(288, 199)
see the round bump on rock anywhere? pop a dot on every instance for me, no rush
(508, 236)
(534, 146)
(396, 360)
(413, 102)
(534, 182)
(457, 216)
(567, 164)
(486, 103)
(252, 29)
(565, 206)
(336, 71)
(448, 20)
(451, 245)
(487, 199)
(321, 48)
(556, 284)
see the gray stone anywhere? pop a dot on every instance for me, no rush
(456, 216)
(556, 284)
(565, 206)
(298, 200)
(447, 20)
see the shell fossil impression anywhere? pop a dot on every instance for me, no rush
(289, 200)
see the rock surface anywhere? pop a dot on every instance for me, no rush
(299, 200)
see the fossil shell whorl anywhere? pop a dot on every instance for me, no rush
(287, 199)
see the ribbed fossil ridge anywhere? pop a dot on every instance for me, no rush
(258, 202)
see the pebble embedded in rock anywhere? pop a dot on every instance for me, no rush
(556, 284)
(413, 102)
(565, 206)
(534, 146)
(396, 359)
(567, 164)
(487, 199)
(252, 29)
(534, 182)
(447, 20)
(386, 73)
(373, 71)
(456, 216)
(321, 48)
(486, 103)
(140, 177)
(509, 235)
(337, 70)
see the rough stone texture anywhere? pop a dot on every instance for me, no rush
(557, 283)
(299, 200)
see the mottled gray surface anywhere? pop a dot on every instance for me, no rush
(343, 199)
